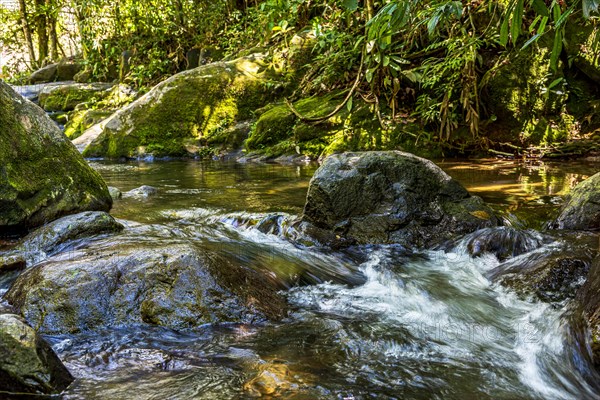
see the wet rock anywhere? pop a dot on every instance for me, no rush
(169, 283)
(12, 262)
(552, 274)
(503, 241)
(115, 193)
(42, 176)
(49, 238)
(391, 197)
(142, 191)
(66, 96)
(582, 209)
(27, 363)
(588, 297)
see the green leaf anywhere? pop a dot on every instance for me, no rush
(386, 61)
(517, 21)
(349, 104)
(412, 76)
(369, 74)
(554, 83)
(556, 49)
(432, 24)
(400, 60)
(350, 5)
(504, 32)
(540, 7)
(542, 27)
(534, 23)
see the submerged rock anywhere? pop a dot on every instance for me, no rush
(503, 241)
(582, 209)
(42, 176)
(169, 283)
(142, 191)
(184, 112)
(27, 363)
(391, 197)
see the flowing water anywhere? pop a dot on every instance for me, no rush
(366, 322)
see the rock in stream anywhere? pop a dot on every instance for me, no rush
(42, 176)
(391, 197)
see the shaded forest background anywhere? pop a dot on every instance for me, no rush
(462, 76)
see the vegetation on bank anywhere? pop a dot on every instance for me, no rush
(453, 76)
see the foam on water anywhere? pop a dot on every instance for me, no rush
(445, 302)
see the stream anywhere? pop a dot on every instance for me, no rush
(366, 322)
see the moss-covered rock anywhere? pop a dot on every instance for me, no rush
(66, 96)
(278, 131)
(81, 120)
(28, 366)
(195, 105)
(582, 209)
(42, 176)
(391, 197)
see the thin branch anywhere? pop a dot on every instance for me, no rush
(339, 107)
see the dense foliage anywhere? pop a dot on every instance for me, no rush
(425, 61)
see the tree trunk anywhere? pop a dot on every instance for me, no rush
(41, 29)
(52, 17)
(81, 16)
(27, 33)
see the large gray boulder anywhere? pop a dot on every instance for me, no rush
(42, 175)
(27, 363)
(120, 282)
(391, 197)
(582, 209)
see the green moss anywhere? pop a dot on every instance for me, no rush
(80, 121)
(41, 175)
(278, 131)
(67, 97)
(206, 104)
